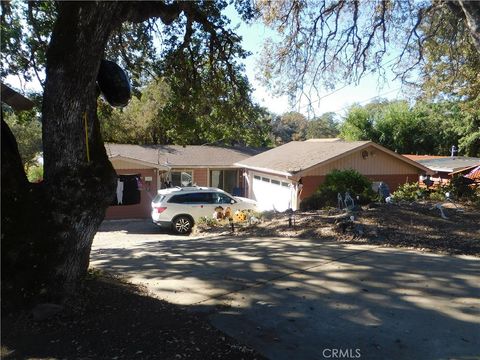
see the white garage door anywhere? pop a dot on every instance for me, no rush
(272, 194)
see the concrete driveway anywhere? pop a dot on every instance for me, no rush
(308, 299)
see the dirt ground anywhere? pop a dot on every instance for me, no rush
(409, 225)
(112, 319)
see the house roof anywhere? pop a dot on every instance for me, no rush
(450, 164)
(181, 156)
(423, 157)
(474, 174)
(297, 156)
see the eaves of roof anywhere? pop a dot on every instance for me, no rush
(267, 170)
(137, 161)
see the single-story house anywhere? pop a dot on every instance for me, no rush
(158, 166)
(443, 167)
(283, 176)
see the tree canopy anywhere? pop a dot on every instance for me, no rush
(326, 43)
(28, 131)
(424, 128)
(157, 116)
(324, 126)
(203, 94)
(48, 228)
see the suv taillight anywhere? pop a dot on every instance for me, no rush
(160, 209)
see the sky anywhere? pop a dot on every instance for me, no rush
(339, 101)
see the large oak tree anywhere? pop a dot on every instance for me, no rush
(48, 228)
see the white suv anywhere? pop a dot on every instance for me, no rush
(178, 208)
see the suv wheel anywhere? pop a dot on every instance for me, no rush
(182, 225)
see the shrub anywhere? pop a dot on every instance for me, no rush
(459, 188)
(340, 181)
(409, 192)
(208, 221)
(316, 201)
(35, 173)
(476, 199)
(437, 195)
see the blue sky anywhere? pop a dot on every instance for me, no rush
(369, 88)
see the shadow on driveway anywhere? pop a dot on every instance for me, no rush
(132, 226)
(300, 298)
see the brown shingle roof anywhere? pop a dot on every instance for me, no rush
(450, 164)
(296, 156)
(182, 156)
(423, 157)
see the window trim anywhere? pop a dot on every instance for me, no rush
(180, 171)
(222, 186)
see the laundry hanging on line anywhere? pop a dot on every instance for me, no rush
(128, 190)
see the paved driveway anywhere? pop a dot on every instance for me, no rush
(308, 299)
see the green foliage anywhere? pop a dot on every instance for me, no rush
(161, 116)
(189, 86)
(460, 189)
(35, 173)
(452, 62)
(291, 126)
(27, 129)
(26, 29)
(340, 181)
(208, 221)
(437, 195)
(409, 192)
(139, 122)
(322, 127)
(425, 128)
(359, 124)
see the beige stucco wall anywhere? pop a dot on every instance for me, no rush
(377, 162)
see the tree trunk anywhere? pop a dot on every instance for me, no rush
(48, 229)
(471, 10)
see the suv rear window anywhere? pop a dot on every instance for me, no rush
(192, 198)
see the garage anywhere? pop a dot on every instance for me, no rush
(272, 193)
(285, 175)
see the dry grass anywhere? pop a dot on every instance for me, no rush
(415, 225)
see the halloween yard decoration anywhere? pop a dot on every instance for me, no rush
(113, 83)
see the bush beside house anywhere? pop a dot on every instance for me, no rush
(340, 181)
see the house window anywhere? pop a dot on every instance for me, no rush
(276, 182)
(256, 177)
(182, 178)
(265, 179)
(224, 179)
